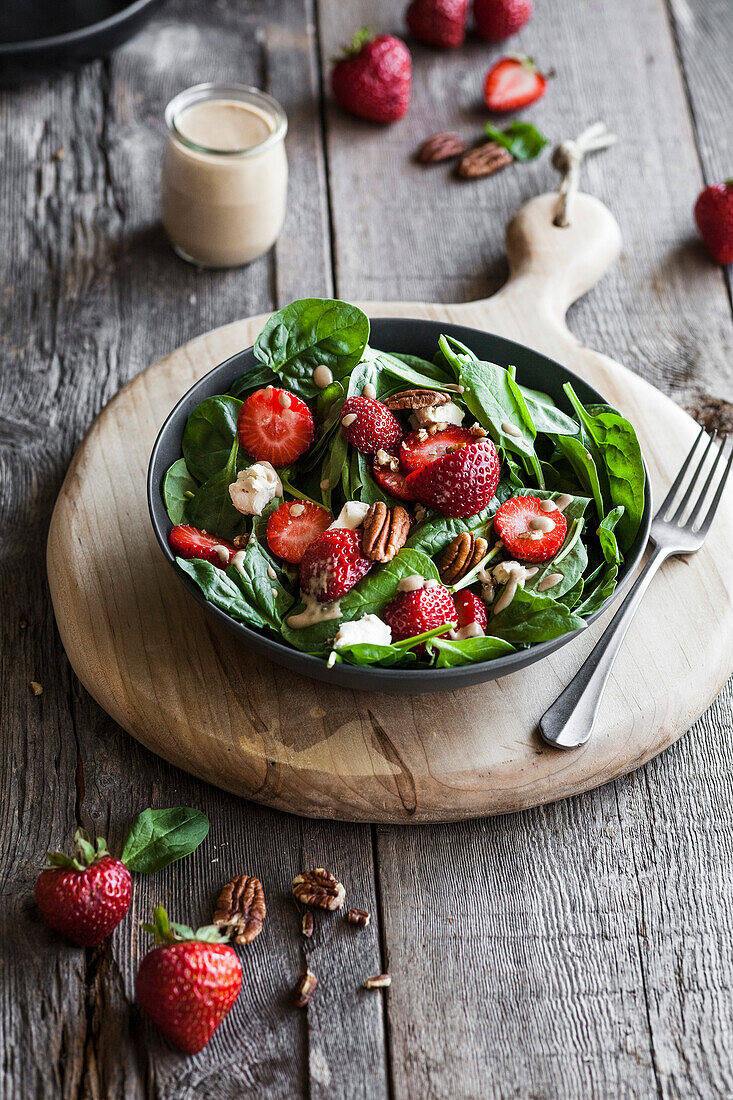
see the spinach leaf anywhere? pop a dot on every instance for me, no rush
(607, 538)
(414, 371)
(263, 591)
(468, 651)
(522, 139)
(618, 447)
(310, 332)
(598, 595)
(178, 489)
(386, 656)
(494, 398)
(433, 534)
(159, 837)
(209, 434)
(221, 590)
(572, 597)
(533, 617)
(546, 416)
(255, 379)
(211, 508)
(584, 468)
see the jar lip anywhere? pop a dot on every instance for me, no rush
(245, 93)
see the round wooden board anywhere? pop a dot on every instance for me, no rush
(195, 696)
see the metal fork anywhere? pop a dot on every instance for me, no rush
(569, 721)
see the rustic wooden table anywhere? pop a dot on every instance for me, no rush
(579, 950)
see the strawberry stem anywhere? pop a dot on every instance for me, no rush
(85, 853)
(357, 44)
(166, 932)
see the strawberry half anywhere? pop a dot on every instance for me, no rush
(470, 609)
(461, 483)
(520, 524)
(294, 526)
(188, 983)
(392, 481)
(369, 425)
(275, 426)
(333, 564)
(411, 613)
(188, 542)
(512, 83)
(418, 449)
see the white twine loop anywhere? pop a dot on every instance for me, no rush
(567, 158)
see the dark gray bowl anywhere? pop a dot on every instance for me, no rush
(418, 338)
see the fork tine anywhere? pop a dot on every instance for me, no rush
(686, 496)
(669, 499)
(697, 509)
(705, 525)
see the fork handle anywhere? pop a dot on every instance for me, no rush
(569, 721)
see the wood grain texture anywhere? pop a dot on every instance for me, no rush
(91, 295)
(239, 721)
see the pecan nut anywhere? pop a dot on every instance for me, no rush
(416, 399)
(484, 160)
(241, 909)
(379, 981)
(305, 987)
(307, 924)
(441, 146)
(359, 916)
(385, 531)
(319, 888)
(460, 556)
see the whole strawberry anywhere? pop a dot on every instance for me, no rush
(332, 564)
(460, 483)
(714, 218)
(369, 425)
(86, 895)
(440, 23)
(188, 983)
(413, 612)
(499, 19)
(374, 78)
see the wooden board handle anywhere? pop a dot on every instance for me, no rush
(553, 267)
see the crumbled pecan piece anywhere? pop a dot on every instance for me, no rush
(305, 987)
(36, 688)
(240, 541)
(319, 888)
(379, 981)
(484, 160)
(460, 556)
(241, 909)
(477, 431)
(416, 399)
(385, 531)
(307, 924)
(358, 916)
(441, 146)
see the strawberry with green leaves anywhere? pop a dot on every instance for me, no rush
(373, 79)
(189, 981)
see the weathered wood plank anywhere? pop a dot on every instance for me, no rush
(93, 294)
(581, 949)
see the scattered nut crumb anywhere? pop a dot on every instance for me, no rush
(22, 624)
(379, 981)
(60, 153)
(307, 924)
(305, 987)
(36, 688)
(358, 916)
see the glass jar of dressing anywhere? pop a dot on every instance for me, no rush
(225, 174)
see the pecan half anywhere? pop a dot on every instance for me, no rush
(305, 987)
(416, 399)
(358, 916)
(385, 531)
(319, 888)
(460, 556)
(241, 908)
(484, 160)
(441, 146)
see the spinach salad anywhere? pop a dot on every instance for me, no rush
(315, 355)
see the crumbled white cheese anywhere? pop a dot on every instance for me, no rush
(368, 630)
(384, 458)
(254, 488)
(412, 583)
(351, 515)
(438, 415)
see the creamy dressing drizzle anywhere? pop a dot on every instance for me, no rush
(322, 376)
(284, 399)
(238, 562)
(222, 552)
(513, 575)
(314, 612)
(411, 583)
(369, 391)
(549, 581)
(271, 573)
(298, 509)
(542, 523)
(510, 429)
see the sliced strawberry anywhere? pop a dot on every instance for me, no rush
(411, 613)
(275, 426)
(294, 526)
(369, 425)
(333, 564)
(419, 448)
(470, 609)
(460, 483)
(392, 481)
(188, 542)
(520, 524)
(513, 82)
